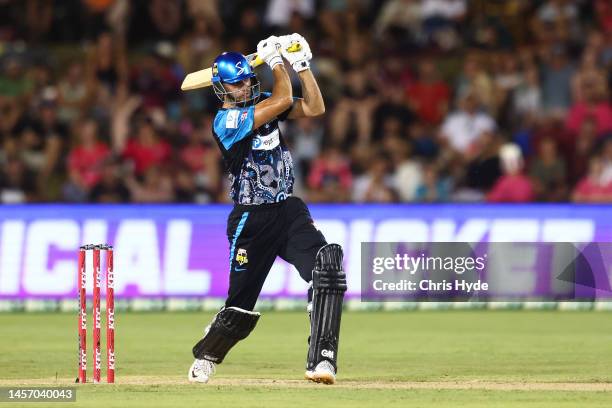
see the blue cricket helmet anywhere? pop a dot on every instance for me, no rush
(230, 68)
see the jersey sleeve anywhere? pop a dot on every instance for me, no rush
(233, 125)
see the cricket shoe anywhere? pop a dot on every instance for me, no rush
(323, 373)
(201, 371)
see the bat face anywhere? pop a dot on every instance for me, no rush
(198, 79)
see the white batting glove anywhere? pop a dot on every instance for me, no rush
(267, 50)
(299, 60)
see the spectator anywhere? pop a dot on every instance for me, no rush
(13, 83)
(484, 166)
(592, 189)
(107, 63)
(408, 171)
(475, 80)
(73, 93)
(583, 150)
(548, 173)
(17, 184)
(376, 186)
(354, 110)
(432, 189)
(146, 149)
(111, 188)
(330, 177)
(429, 96)
(527, 98)
(512, 186)
(85, 162)
(461, 128)
(595, 105)
(556, 81)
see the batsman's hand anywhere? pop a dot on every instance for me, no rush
(267, 50)
(299, 60)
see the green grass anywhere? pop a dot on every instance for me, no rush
(465, 347)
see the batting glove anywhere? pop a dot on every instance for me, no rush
(299, 60)
(267, 50)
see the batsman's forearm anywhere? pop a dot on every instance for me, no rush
(281, 90)
(280, 101)
(313, 98)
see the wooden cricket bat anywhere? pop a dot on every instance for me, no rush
(203, 77)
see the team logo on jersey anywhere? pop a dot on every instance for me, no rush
(244, 115)
(241, 256)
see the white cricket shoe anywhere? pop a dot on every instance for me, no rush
(323, 373)
(201, 371)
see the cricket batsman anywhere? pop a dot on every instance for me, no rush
(267, 220)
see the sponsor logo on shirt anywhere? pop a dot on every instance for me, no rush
(267, 142)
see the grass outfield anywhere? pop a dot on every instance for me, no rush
(420, 359)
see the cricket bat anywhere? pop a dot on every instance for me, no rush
(203, 77)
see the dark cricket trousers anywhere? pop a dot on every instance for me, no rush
(257, 234)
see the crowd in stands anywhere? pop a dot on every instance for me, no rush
(426, 100)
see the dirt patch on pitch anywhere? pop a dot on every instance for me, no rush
(271, 383)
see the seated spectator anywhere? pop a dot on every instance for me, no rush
(475, 80)
(429, 96)
(483, 168)
(423, 141)
(462, 127)
(330, 177)
(85, 162)
(592, 189)
(17, 183)
(527, 98)
(376, 186)
(13, 83)
(589, 73)
(146, 149)
(73, 93)
(408, 172)
(582, 151)
(595, 105)
(433, 189)
(513, 186)
(111, 187)
(548, 173)
(391, 109)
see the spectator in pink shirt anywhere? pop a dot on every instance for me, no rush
(594, 106)
(147, 149)
(330, 177)
(513, 186)
(85, 162)
(592, 188)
